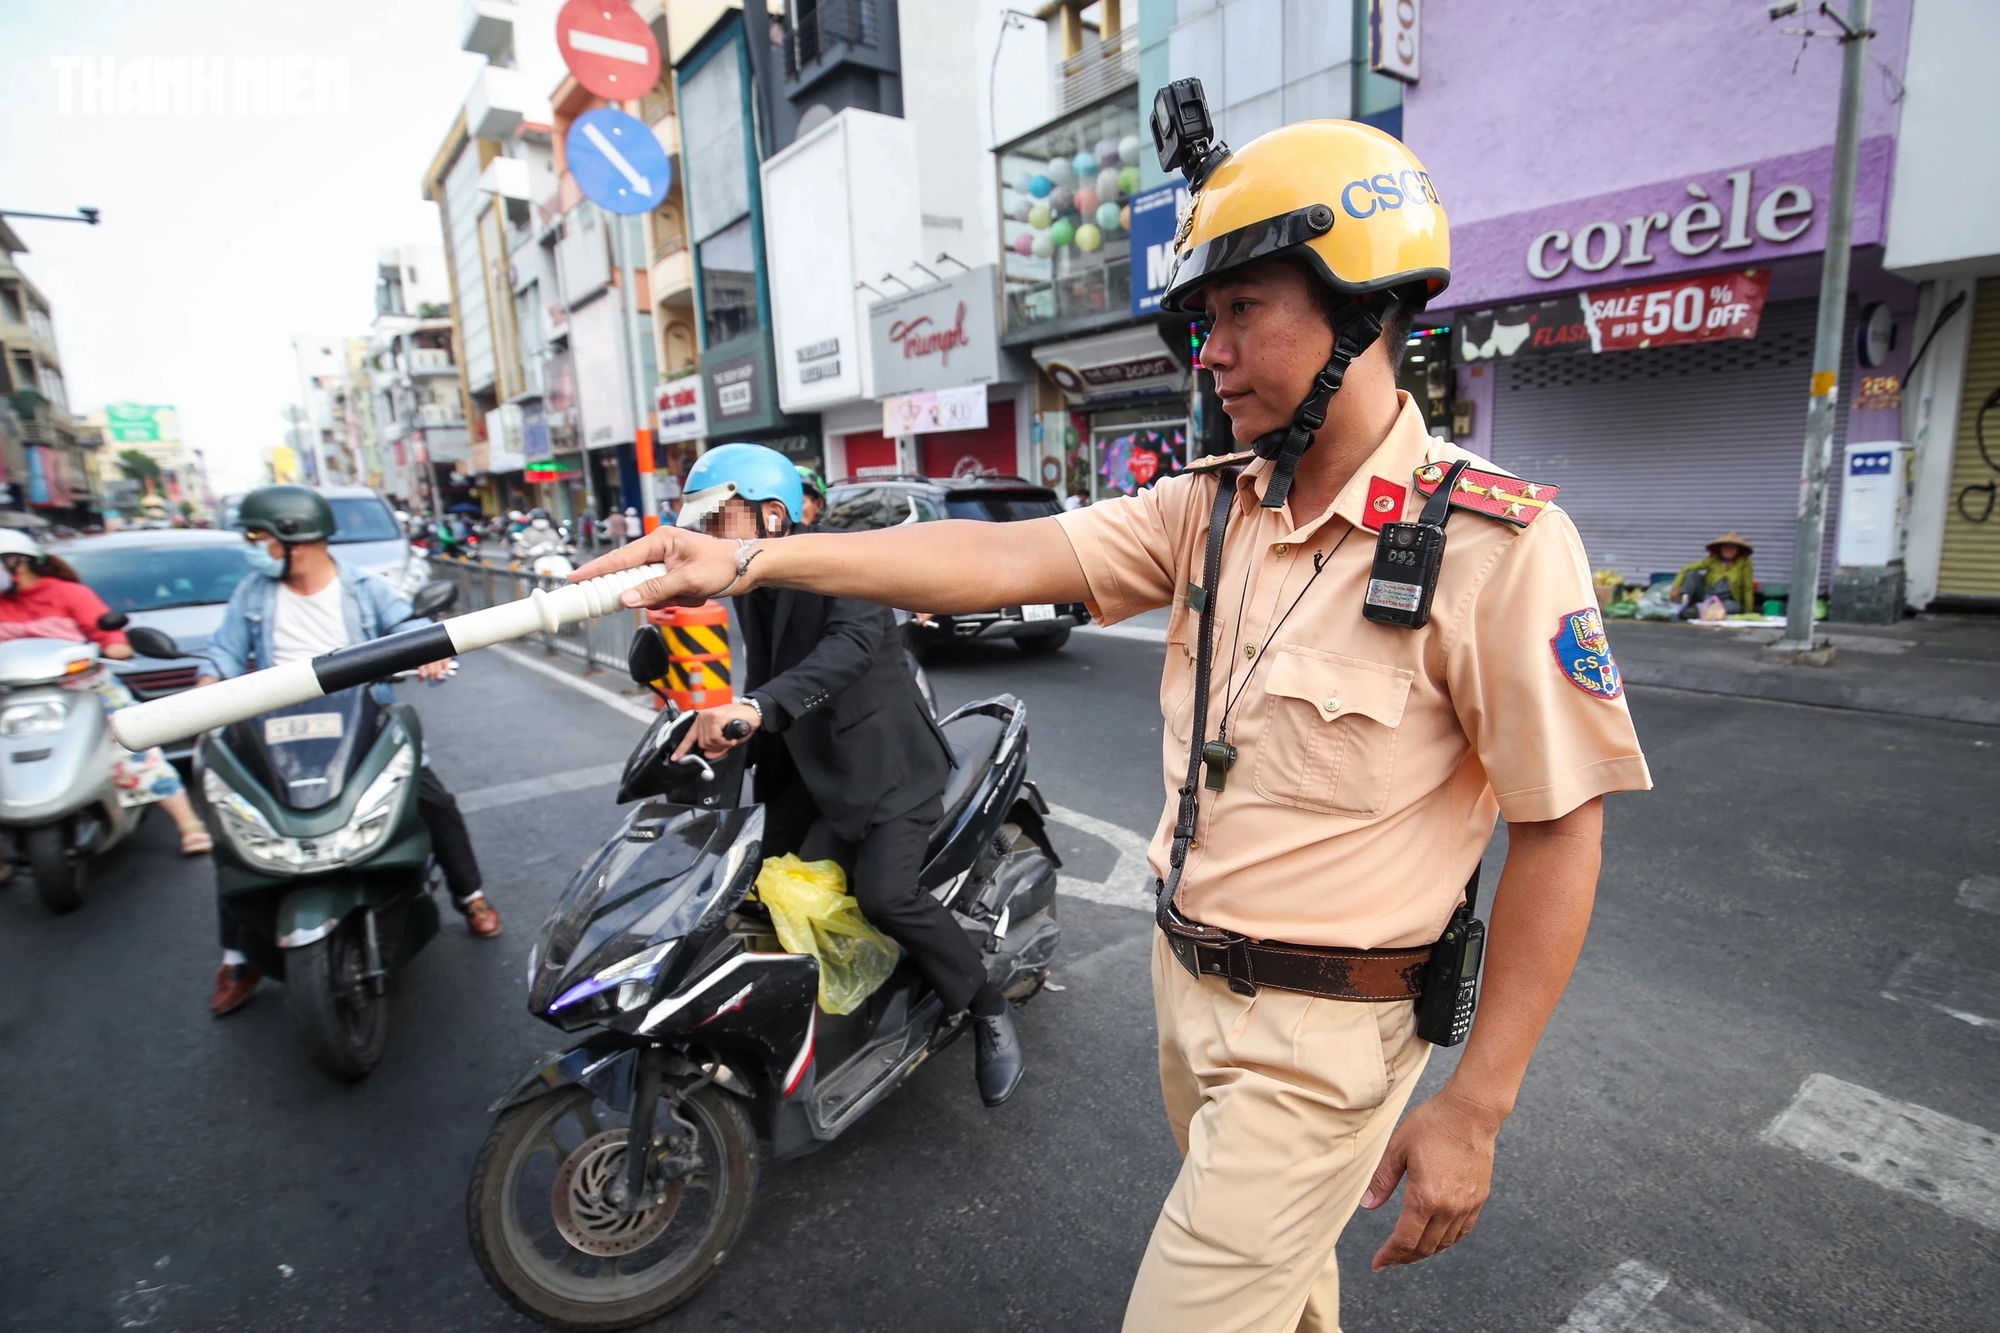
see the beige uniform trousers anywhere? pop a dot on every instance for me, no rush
(1282, 1106)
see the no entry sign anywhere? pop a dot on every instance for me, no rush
(609, 48)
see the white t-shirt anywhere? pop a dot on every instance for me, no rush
(303, 628)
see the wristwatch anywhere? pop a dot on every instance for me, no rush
(755, 707)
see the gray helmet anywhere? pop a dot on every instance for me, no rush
(292, 514)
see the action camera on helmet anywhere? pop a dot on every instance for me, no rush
(1184, 133)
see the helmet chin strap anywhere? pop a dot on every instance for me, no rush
(1355, 328)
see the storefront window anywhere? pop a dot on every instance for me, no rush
(1112, 458)
(1065, 218)
(729, 283)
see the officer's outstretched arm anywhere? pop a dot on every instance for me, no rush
(949, 566)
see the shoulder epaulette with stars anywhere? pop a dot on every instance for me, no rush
(1494, 494)
(1214, 461)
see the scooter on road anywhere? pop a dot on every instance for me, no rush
(695, 1034)
(320, 852)
(59, 808)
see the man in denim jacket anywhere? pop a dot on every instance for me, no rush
(299, 603)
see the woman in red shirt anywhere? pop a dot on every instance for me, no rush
(44, 599)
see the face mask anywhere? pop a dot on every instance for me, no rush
(261, 560)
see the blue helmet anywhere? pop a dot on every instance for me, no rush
(749, 470)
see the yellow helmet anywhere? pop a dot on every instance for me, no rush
(1349, 200)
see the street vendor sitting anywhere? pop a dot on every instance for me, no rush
(1725, 574)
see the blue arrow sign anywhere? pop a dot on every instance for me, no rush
(617, 162)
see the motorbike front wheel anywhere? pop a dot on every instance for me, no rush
(58, 875)
(552, 1241)
(340, 1021)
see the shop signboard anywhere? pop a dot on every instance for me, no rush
(1156, 215)
(944, 336)
(1114, 365)
(1393, 47)
(1748, 215)
(1703, 308)
(682, 414)
(141, 423)
(1688, 310)
(732, 385)
(935, 410)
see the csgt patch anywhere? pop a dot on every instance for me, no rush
(1388, 190)
(1584, 654)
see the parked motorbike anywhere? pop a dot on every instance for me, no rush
(695, 1034)
(320, 852)
(59, 808)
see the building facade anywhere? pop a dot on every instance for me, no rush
(1635, 272)
(48, 458)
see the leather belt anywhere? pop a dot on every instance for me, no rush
(1369, 975)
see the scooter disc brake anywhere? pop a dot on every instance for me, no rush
(584, 1211)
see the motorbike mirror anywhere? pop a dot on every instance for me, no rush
(111, 620)
(149, 642)
(435, 596)
(646, 659)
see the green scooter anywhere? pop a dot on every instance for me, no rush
(320, 853)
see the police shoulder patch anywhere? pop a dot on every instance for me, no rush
(1583, 654)
(1214, 461)
(1494, 494)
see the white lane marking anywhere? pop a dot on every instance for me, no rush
(1910, 1149)
(1981, 893)
(1156, 637)
(597, 44)
(597, 692)
(1967, 992)
(1130, 883)
(1639, 1298)
(616, 159)
(529, 789)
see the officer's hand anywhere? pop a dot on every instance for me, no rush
(706, 730)
(1446, 1148)
(698, 567)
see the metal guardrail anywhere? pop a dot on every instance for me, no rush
(1099, 69)
(599, 643)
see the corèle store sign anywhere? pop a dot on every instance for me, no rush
(1738, 216)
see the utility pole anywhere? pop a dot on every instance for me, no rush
(1808, 547)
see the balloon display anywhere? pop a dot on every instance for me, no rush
(1043, 247)
(1039, 217)
(1024, 242)
(1109, 184)
(1128, 150)
(1086, 201)
(1061, 199)
(1085, 164)
(1128, 181)
(1039, 186)
(1062, 171)
(1062, 233)
(1109, 216)
(1088, 237)
(1108, 154)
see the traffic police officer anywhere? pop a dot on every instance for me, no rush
(1353, 753)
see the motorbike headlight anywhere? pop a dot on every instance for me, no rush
(369, 827)
(40, 718)
(633, 977)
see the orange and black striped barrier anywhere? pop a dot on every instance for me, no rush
(698, 668)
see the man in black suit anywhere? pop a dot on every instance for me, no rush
(850, 765)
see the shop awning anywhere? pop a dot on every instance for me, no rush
(1118, 364)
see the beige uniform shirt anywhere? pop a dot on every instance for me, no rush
(1372, 760)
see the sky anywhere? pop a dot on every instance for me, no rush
(222, 235)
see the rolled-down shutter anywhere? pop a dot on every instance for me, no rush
(1970, 566)
(1660, 451)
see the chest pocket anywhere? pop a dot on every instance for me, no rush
(1330, 739)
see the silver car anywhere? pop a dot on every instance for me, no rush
(367, 535)
(176, 580)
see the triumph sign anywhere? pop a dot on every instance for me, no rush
(939, 337)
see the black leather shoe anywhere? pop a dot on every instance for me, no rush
(998, 1059)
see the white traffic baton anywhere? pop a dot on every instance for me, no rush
(192, 712)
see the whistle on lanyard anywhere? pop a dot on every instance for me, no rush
(1408, 557)
(1216, 758)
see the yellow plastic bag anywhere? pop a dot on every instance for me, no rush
(814, 913)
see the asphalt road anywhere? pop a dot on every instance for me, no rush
(1783, 919)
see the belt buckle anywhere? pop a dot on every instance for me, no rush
(1186, 954)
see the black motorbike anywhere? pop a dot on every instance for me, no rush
(695, 1033)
